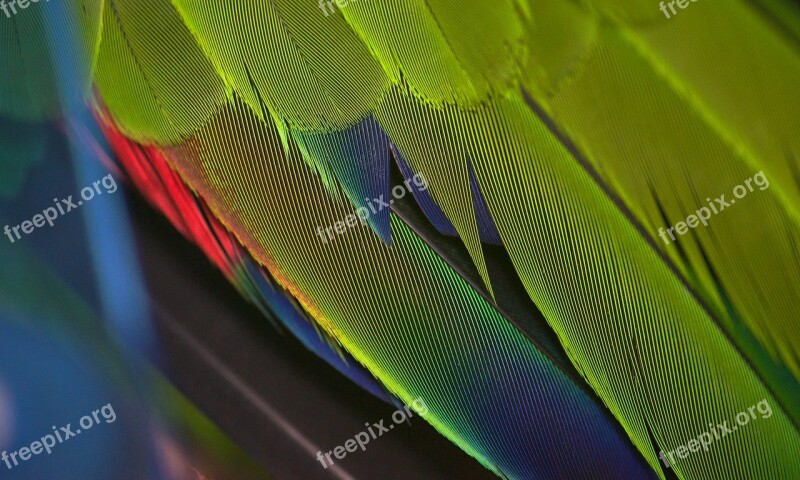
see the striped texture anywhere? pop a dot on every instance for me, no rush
(566, 134)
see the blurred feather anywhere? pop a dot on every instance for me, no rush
(565, 134)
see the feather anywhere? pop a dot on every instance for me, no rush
(308, 80)
(563, 135)
(382, 288)
(29, 84)
(145, 58)
(750, 285)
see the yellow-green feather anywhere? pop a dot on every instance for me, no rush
(156, 83)
(29, 82)
(310, 70)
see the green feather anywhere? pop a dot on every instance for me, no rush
(29, 83)
(311, 70)
(154, 80)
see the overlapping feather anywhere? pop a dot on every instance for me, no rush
(581, 129)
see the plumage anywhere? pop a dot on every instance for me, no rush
(559, 136)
